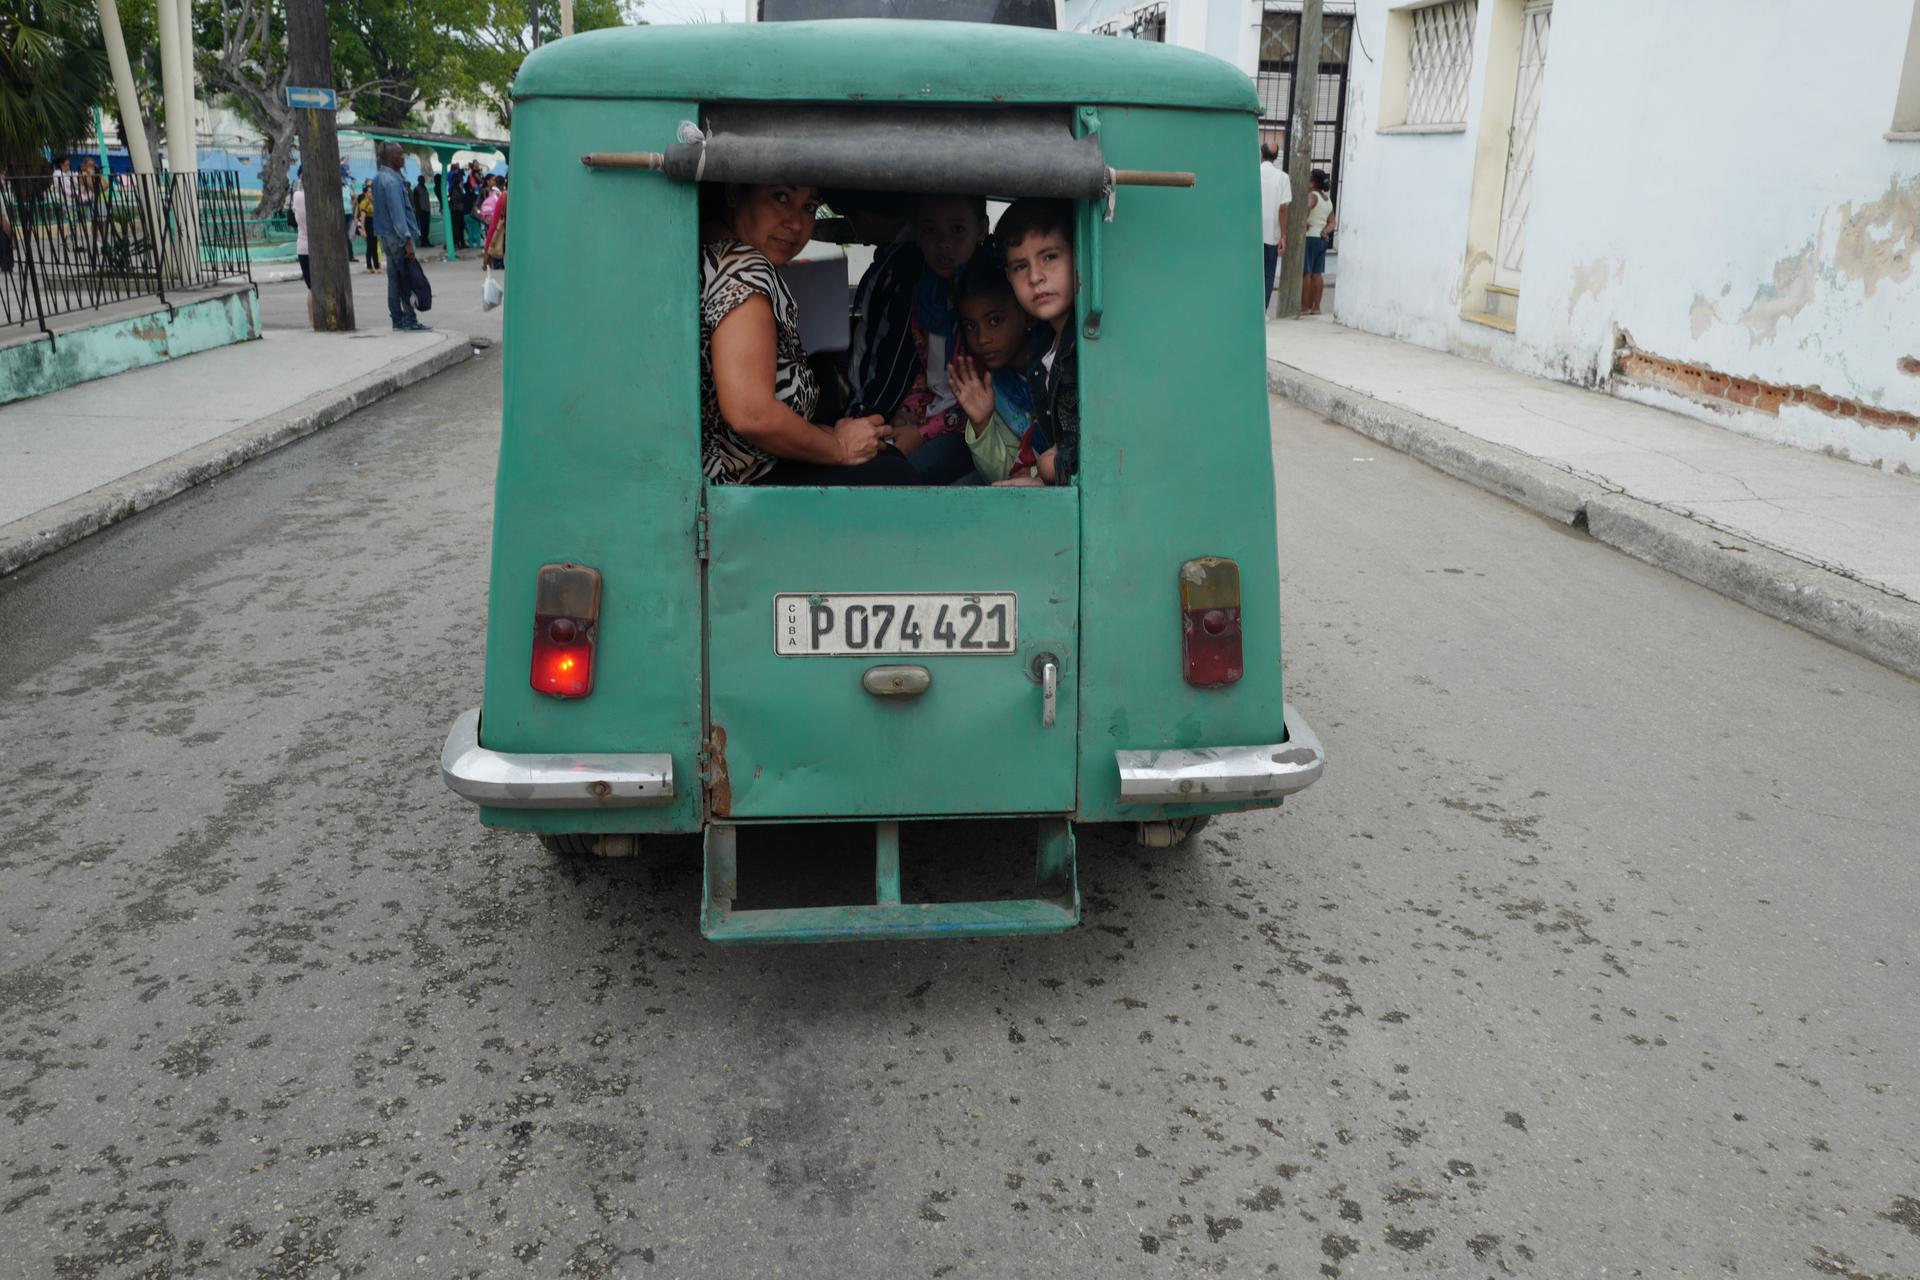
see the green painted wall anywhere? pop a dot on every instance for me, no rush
(37, 367)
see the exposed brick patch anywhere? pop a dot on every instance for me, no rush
(1722, 389)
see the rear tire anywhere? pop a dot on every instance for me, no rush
(1169, 833)
(568, 845)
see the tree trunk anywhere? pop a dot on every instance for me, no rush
(310, 62)
(1306, 94)
(273, 176)
(264, 107)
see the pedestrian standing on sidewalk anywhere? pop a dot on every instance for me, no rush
(1276, 193)
(394, 225)
(363, 223)
(423, 207)
(9, 238)
(457, 207)
(1313, 280)
(494, 249)
(300, 243)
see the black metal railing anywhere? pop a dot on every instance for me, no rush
(80, 242)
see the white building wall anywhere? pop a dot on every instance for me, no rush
(1227, 29)
(1712, 178)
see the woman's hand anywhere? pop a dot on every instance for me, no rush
(973, 388)
(860, 438)
(1045, 464)
(1021, 482)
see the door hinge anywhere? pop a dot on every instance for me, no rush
(700, 534)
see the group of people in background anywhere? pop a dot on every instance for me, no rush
(472, 196)
(1276, 198)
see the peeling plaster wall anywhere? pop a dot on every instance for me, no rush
(1683, 190)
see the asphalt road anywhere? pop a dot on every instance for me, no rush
(1593, 954)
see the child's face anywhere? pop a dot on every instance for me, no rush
(947, 231)
(996, 329)
(1040, 269)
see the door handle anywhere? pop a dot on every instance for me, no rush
(896, 682)
(1046, 668)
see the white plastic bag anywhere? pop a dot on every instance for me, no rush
(490, 291)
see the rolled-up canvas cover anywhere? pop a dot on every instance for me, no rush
(1028, 151)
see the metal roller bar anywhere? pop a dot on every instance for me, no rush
(980, 151)
(624, 160)
(1148, 178)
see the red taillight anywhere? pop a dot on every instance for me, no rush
(566, 612)
(1210, 622)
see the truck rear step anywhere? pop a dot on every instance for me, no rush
(887, 918)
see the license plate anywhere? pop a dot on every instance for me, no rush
(926, 622)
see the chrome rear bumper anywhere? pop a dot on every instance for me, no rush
(1208, 775)
(506, 781)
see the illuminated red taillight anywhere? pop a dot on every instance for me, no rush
(1210, 622)
(566, 613)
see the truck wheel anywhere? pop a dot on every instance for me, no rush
(1169, 833)
(568, 845)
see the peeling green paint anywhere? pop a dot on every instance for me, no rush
(38, 366)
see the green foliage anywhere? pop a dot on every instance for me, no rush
(52, 70)
(496, 40)
(393, 56)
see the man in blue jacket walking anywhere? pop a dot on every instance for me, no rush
(393, 222)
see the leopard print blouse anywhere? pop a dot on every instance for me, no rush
(731, 272)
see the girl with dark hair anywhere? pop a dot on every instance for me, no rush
(988, 373)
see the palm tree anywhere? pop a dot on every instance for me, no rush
(53, 68)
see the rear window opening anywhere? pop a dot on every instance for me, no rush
(898, 320)
(907, 313)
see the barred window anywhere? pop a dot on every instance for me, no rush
(1439, 61)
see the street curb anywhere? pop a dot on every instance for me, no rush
(1849, 613)
(1540, 488)
(45, 532)
(1862, 619)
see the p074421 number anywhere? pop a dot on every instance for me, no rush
(946, 625)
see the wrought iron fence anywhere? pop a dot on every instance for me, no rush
(78, 242)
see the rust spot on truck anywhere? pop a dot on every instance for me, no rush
(719, 788)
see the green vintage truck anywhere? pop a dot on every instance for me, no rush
(669, 656)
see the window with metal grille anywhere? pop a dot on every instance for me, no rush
(1439, 62)
(1273, 81)
(1150, 23)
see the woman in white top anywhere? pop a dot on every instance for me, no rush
(1313, 279)
(300, 243)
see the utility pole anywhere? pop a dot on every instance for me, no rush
(1306, 97)
(566, 18)
(310, 64)
(533, 11)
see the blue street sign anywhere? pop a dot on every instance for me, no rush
(313, 99)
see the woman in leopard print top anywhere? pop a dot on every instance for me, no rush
(756, 392)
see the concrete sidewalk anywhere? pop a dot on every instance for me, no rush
(80, 459)
(1827, 545)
